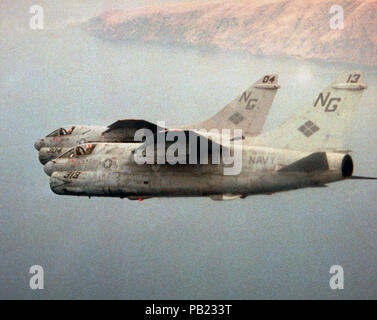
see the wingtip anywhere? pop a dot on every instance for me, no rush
(362, 178)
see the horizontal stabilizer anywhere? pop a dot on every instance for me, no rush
(314, 162)
(363, 178)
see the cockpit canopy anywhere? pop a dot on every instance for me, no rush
(61, 132)
(82, 150)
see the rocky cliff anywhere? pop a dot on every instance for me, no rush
(266, 27)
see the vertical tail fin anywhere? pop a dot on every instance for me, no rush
(248, 112)
(322, 124)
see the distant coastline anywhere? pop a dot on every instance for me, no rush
(267, 28)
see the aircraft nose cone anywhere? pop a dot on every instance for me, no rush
(56, 184)
(45, 155)
(38, 144)
(48, 168)
(42, 158)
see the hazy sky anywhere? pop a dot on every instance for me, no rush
(279, 246)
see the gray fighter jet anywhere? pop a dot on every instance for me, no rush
(305, 151)
(248, 112)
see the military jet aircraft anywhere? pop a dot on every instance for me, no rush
(305, 151)
(248, 112)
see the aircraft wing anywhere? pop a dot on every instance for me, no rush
(124, 130)
(179, 147)
(133, 124)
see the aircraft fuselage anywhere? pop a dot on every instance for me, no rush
(111, 171)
